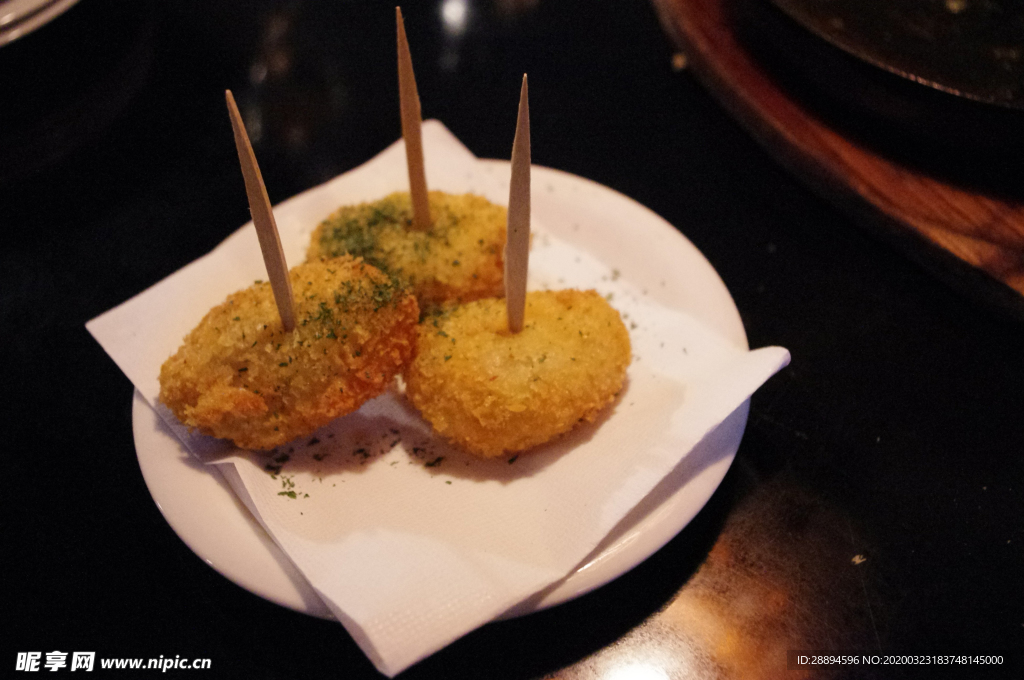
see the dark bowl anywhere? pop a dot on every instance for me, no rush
(902, 73)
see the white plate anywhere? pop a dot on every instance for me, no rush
(206, 514)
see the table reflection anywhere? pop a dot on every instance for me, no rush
(788, 572)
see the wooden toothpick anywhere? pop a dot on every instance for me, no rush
(263, 218)
(517, 239)
(409, 102)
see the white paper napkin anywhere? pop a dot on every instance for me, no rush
(411, 543)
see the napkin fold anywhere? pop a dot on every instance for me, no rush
(410, 542)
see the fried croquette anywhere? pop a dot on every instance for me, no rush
(461, 257)
(494, 392)
(240, 376)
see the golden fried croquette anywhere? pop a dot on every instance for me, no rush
(460, 259)
(239, 375)
(493, 392)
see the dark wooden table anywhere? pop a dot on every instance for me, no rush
(876, 504)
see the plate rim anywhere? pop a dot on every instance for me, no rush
(31, 15)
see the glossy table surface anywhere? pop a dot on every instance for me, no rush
(876, 504)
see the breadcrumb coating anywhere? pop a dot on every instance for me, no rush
(493, 392)
(460, 259)
(240, 376)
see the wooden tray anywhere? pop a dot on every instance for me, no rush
(941, 223)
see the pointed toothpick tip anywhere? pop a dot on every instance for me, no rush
(412, 120)
(517, 234)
